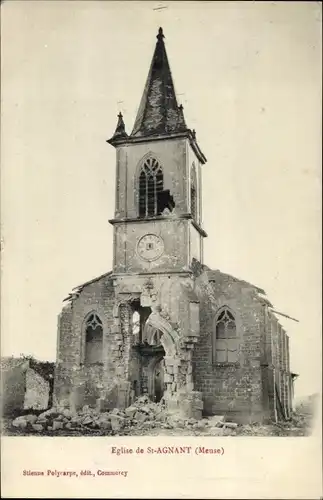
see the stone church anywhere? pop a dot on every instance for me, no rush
(162, 323)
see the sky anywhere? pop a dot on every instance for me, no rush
(249, 77)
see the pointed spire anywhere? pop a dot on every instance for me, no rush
(120, 131)
(159, 112)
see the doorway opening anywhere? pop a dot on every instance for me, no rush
(156, 367)
(158, 381)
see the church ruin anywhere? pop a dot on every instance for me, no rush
(161, 322)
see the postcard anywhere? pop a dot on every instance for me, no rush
(160, 259)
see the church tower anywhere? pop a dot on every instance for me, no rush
(157, 221)
(158, 239)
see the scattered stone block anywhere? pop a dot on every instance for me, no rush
(67, 413)
(145, 409)
(37, 427)
(57, 425)
(87, 420)
(117, 422)
(215, 431)
(231, 425)
(31, 418)
(141, 417)
(201, 424)
(42, 421)
(216, 420)
(105, 424)
(52, 412)
(130, 411)
(20, 422)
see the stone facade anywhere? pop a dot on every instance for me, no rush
(162, 323)
(182, 311)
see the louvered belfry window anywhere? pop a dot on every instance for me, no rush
(193, 202)
(151, 183)
(193, 193)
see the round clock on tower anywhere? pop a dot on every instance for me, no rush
(150, 247)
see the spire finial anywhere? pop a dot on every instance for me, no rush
(160, 35)
(181, 120)
(120, 131)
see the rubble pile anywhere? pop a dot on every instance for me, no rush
(142, 415)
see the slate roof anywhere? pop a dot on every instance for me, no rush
(159, 112)
(159, 116)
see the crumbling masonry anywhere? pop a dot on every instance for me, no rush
(161, 322)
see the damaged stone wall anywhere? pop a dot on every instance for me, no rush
(75, 382)
(230, 388)
(13, 384)
(183, 310)
(174, 309)
(25, 384)
(37, 391)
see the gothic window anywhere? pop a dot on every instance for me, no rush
(151, 183)
(193, 193)
(93, 339)
(225, 340)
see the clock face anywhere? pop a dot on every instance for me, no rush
(150, 247)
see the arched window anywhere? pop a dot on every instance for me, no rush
(151, 183)
(225, 340)
(193, 192)
(93, 339)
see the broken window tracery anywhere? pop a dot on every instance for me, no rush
(225, 340)
(151, 183)
(93, 339)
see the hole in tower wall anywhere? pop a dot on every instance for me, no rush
(165, 202)
(139, 318)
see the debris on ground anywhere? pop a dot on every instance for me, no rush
(143, 417)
